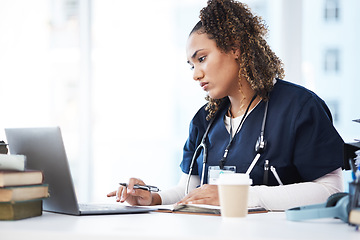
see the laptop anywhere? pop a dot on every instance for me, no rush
(44, 150)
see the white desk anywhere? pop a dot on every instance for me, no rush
(161, 226)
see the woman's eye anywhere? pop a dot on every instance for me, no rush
(201, 59)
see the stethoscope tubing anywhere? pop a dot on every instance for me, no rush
(202, 145)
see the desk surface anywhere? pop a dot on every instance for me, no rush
(173, 226)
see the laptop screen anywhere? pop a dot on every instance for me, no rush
(44, 150)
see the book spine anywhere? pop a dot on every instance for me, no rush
(354, 217)
(20, 210)
(12, 162)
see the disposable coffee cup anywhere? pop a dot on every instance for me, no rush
(233, 194)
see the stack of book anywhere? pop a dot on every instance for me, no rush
(21, 190)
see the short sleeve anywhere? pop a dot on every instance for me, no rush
(196, 131)
(318, 146)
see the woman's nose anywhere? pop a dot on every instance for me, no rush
(198, 74)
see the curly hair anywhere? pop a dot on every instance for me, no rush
(232, 26)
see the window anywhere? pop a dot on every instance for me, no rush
(135, 51)
(331, 10)
(71, 8)
(332, 61)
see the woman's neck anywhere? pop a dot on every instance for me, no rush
(240, 102)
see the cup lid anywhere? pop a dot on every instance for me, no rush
(234, 179)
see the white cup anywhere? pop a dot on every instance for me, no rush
(233, 194)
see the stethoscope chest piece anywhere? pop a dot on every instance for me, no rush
(260, 144)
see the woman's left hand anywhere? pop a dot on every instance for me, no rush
(207, 194)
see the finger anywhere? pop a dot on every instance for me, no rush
(198, 201)
(191, 200)
(188, 198)
(125, 192)
(111, 194)
(183, 201)
(132, 182)
(203, 195)
(141, 193)
(207, 194)
(120, 194)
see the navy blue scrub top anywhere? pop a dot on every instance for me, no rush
(302, 143)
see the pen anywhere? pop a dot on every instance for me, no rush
(357, 175)
(353, 168)
(143, 187)
(266, 172)
(253, 164)
(273, 170)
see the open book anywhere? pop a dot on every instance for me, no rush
(201, 209)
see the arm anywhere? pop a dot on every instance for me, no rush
(294, 195)
(175, 194)
(278, 197)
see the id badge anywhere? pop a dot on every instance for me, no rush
(215, 171)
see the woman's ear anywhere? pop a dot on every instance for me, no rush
(236, 53)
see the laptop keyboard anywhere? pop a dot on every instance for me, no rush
(92, 207)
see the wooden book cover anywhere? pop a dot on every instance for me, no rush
(18, 178)
(20, 210)
(23, 193)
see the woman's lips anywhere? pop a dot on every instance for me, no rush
(204, 85)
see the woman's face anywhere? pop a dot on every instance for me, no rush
(216, 71)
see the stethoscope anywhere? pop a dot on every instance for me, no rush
(259, 146)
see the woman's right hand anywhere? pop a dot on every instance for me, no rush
(131, 195)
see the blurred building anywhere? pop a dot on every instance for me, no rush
(317, 41)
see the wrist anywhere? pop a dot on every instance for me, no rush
(156, 199)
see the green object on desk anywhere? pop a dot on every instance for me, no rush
(3, 148)
(20, 210)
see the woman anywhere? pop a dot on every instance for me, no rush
(257, 121)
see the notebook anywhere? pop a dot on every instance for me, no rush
(45, 151)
